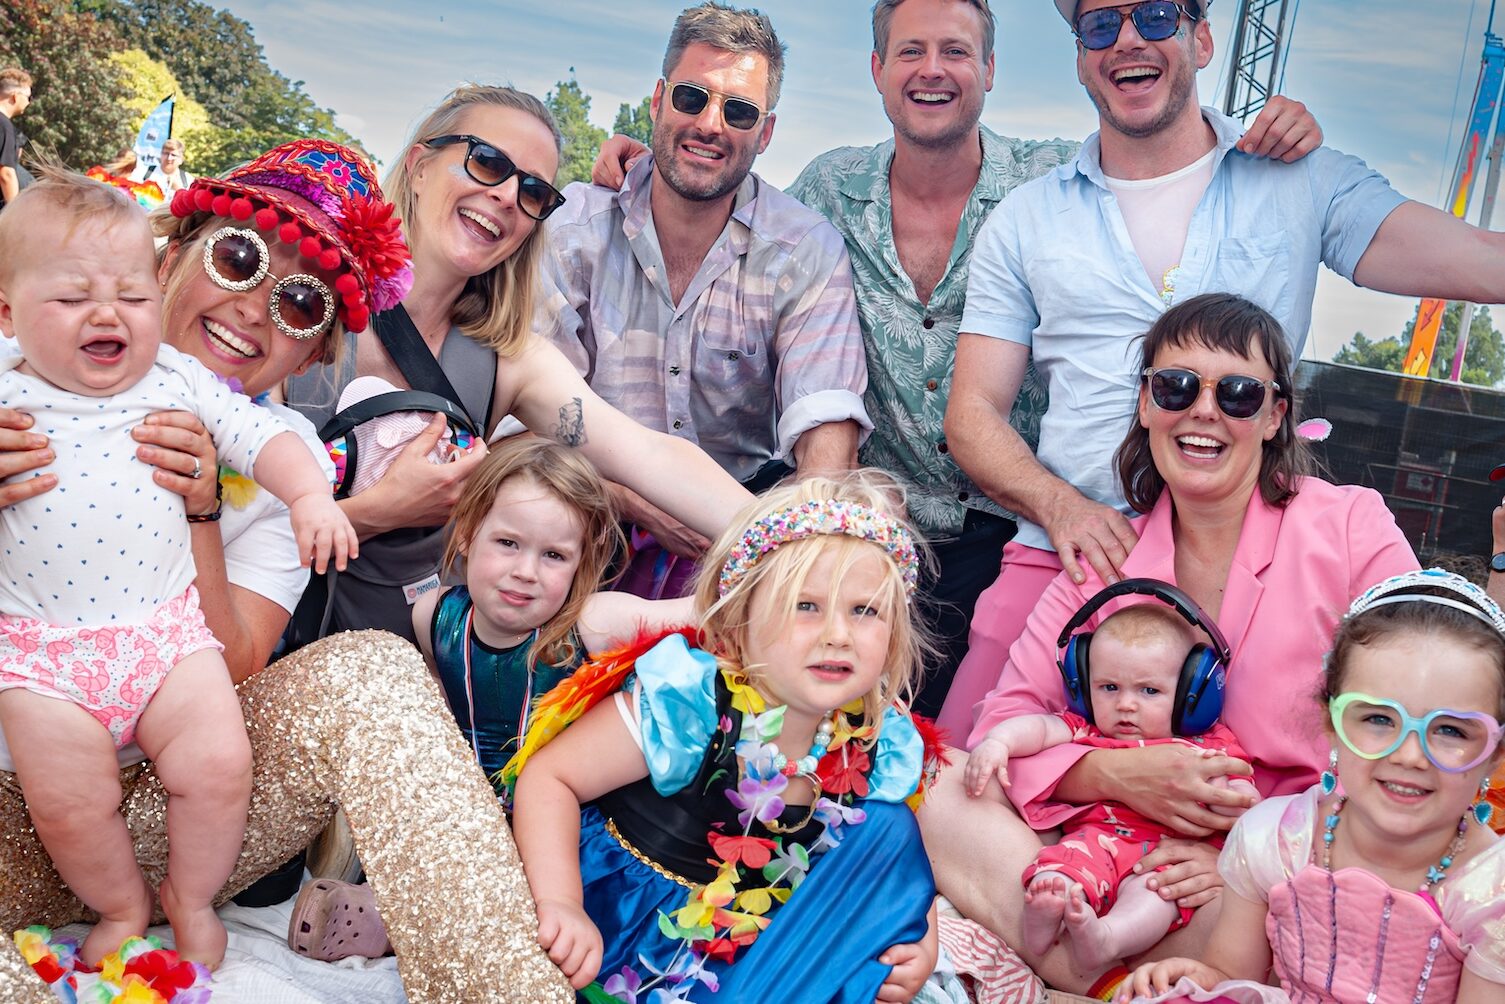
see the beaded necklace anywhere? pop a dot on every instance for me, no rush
(1435, 874)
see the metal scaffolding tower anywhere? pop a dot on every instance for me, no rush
(1258, 47)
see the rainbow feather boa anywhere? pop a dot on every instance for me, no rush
(141, 972)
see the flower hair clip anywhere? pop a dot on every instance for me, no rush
(821, 517)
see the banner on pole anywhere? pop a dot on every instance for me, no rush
(155, 129)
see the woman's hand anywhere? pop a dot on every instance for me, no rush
(565, 931)
(413, 491)
(22, 451)
(1190, 875)
(177, 444)
(1173, 783)
(1155, 978)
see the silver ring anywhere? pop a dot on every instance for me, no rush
(198, 469)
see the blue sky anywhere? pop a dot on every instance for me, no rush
(1387, 79)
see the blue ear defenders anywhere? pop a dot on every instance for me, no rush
(1199, 692)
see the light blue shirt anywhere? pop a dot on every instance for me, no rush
(1054, 269)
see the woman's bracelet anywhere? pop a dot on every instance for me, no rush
(219, 507)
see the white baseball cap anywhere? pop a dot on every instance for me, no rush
(1068, 10)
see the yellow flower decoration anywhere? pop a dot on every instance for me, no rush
(135, 990)
(31, 945)
(696, 913)
(240, 490)
(744, 698)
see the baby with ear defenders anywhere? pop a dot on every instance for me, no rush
(1149, 681)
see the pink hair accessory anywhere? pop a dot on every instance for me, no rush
(821, 517)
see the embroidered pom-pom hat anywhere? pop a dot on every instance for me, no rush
(324, 199)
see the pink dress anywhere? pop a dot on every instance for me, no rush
(1348, 937)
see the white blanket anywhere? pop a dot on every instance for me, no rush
(259, 968)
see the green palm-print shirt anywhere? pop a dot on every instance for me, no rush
(911, 346)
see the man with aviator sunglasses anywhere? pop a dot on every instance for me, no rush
(700, 300)
(1162, 204)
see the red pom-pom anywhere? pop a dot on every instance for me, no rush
(241, 209)
(182, 202)
(354, 298)
(356, 318)
(329, 259)
(289, 233)
(203, 200)
(220, 205)
(347, 283)
(310, 247)
(266, 219)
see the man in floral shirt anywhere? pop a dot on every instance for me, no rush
(909, 209)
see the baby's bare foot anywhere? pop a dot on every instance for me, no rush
(1089, 938)
(109, 934)
(1044, 908)
(196, 930)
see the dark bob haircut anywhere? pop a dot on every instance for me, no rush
(1221, 322)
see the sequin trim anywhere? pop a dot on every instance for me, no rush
(1332, 950)
(611, 828)
(1379, 952)
(1434, 943)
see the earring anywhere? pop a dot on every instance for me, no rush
(1330, 776)
(1483, 810)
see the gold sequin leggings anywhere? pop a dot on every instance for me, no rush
(354, 720)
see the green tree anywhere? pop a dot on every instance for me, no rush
(215, 58)
(636, 122)
(75, 113)
(144, 83)
(571, 107)
(1386, 354)
(1483, 361)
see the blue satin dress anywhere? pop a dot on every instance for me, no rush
(643, 848)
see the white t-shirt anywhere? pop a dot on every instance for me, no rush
(1158, 213)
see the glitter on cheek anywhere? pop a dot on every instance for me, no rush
(356, 720)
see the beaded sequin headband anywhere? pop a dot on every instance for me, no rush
(1470, 599)
(821, 517)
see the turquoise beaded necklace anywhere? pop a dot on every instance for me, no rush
(1435, 874)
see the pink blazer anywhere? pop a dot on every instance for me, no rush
(1293, 576)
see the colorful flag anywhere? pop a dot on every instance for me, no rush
(155, 129)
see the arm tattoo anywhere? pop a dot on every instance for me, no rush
(571, 428)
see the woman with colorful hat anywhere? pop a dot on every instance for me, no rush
(262, 273)
(472, 188)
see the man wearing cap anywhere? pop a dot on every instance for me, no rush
(702, 301)
(1160, 207)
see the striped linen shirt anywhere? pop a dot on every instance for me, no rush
(764, 345)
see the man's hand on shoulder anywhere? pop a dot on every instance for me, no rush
(1283, 130)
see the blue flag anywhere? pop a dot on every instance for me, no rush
(155, 129)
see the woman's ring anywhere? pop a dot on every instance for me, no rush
(198, 469)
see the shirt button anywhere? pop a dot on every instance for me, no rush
(734, 356)
(931, 384)
(674, 371)
(679, 424)
(941, 447)
(929, 323)
(963, 496)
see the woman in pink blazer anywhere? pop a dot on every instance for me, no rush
(1271, 554)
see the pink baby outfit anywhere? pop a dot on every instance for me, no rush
(1109, 838)
(110, 672)
(1348, 937)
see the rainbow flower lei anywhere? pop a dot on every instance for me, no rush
(141, 972)
(754, 874)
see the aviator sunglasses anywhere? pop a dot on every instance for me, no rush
(490, 166)
(1155, 20)
(1374, 728)
(1175, 389)
(691, 99)
(302, 306)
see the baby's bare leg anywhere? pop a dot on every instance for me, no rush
(65, 762)
(194, 732)
(1045, 909)
(1137, 920)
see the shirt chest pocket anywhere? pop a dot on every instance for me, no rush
(1258, 268)
(733, 334)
